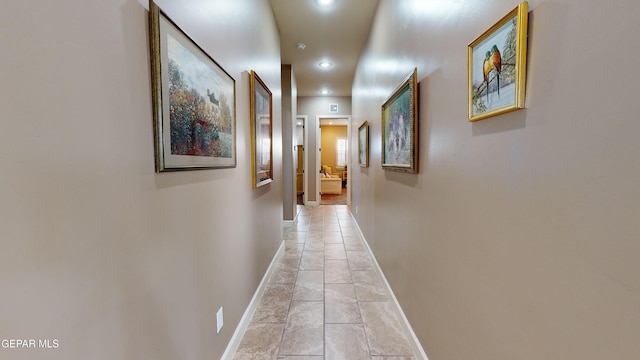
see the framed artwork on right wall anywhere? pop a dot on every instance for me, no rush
(363, 144)
(497, 63)
(400, 127)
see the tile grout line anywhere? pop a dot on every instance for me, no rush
(284, 327)
(356, 297)
(324, 293)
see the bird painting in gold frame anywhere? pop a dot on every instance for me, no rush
(497, 66)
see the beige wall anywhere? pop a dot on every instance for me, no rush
(289, 151)
(97, 250)
(519, 238)
(313, 107)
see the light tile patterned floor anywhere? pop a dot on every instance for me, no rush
(324, 299)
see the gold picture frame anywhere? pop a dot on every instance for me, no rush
(363, 144)
(400, 127)
(497, 62)
(194, 101)
(261, 131)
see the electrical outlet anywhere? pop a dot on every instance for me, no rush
(220, 319)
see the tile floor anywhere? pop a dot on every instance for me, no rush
(324, 299)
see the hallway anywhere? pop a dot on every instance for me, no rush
(325, 299)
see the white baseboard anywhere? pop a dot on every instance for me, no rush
(287, 223)
(312, 203)
(232, 347)
(415, 344)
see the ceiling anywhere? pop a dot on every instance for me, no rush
(336, 33)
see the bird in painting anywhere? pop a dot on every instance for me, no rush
(486, 69)
(496, 63)
(492, 61)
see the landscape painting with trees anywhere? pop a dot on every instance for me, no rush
(194, 101)
(201, 121)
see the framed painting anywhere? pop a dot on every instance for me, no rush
(194, 101)
(363, 144)
(400, 127)
(261, 131)
(497, 66)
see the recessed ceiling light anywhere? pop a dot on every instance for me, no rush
(301, 46)
(324, 92)
(325, 2)
(325, 64)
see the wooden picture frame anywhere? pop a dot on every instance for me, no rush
(261, 131)
(400, 127)
(194, 101)
(497, 63)
(363, 144)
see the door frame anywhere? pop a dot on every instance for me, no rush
(319, 160)
(305, 158)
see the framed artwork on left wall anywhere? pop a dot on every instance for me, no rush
(261, 131)
(194, 101)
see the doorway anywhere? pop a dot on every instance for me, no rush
(300, 159)
(333, 137)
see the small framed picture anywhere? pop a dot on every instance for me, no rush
(497, 63)
(333, 108)
(363, 144)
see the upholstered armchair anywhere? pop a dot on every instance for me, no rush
(330, 183)
(327, 170)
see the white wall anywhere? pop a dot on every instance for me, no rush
(518, 239)
(98, 251)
